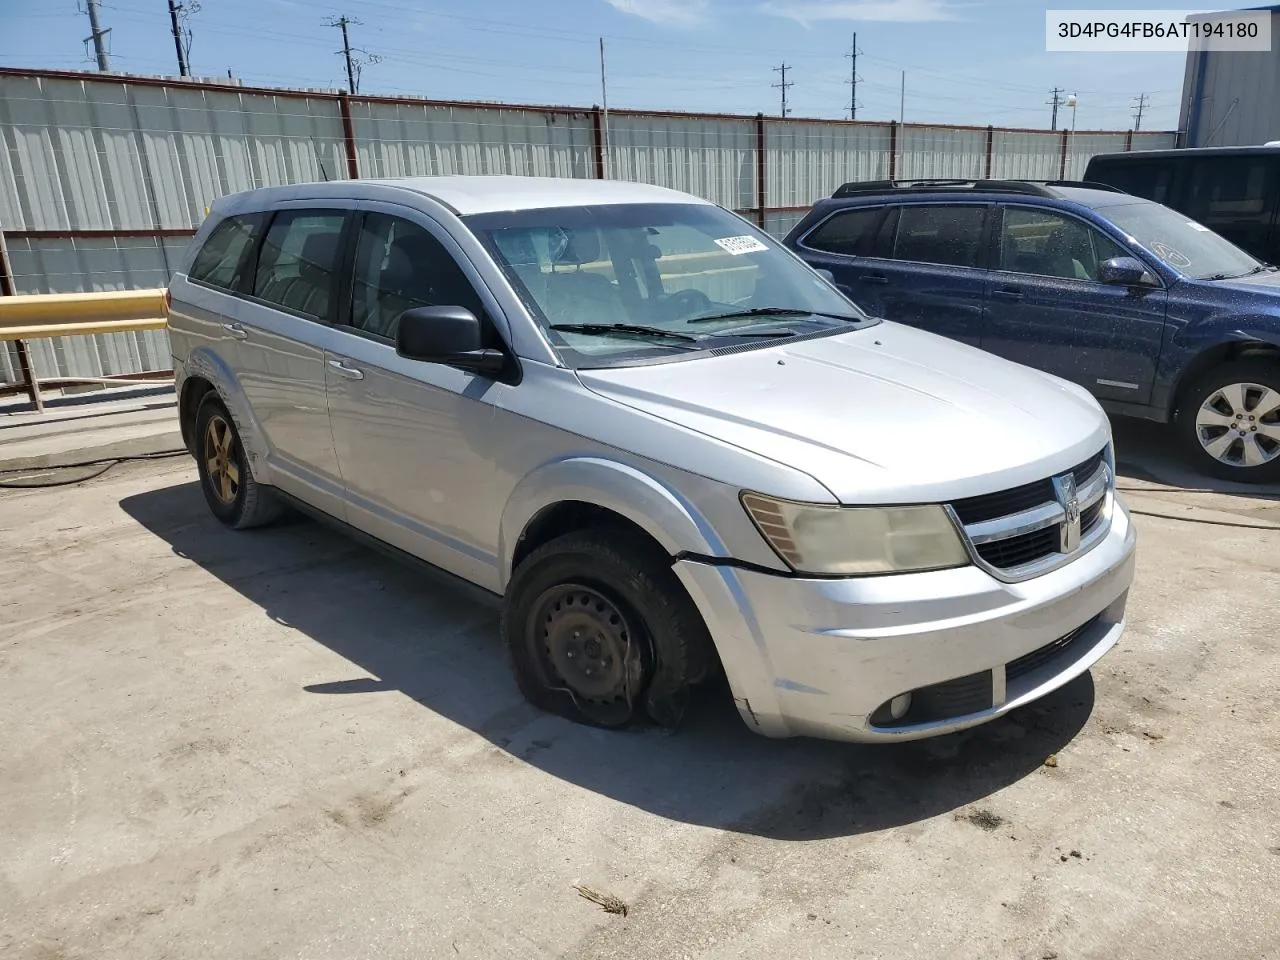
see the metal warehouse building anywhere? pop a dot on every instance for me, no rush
(1232, 98)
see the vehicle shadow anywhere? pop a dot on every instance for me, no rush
(407, 630)
(1150, 451)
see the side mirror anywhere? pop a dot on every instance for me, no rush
(1125, 272)
(446, 335)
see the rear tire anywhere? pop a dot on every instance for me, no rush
(600, 630)
(233, 495)
(1229, 421)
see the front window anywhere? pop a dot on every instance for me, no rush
(1049, 244)
(1189, 247)
(626, 283)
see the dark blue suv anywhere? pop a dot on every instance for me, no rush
(1156, 315)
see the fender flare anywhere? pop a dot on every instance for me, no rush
(651, 504)
(203, 362)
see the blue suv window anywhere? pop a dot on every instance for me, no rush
(950, 235)
(1049, 244)
(846, 232)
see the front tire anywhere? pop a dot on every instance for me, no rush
(230, 490)
(1230, 421)
(599, 630)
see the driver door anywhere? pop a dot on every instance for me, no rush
(415, 440)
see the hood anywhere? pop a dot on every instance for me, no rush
(886, 414)
(1260, 286)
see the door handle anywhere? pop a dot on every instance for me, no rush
(237, 332)
(874, 278)
(1008, 293)
(351, 373)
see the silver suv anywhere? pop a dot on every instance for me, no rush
(667, 444)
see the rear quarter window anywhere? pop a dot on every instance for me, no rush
(223, 258)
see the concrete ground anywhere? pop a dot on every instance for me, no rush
(77, 426)
(278, 744)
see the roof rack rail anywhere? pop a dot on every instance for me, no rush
(1025, 187)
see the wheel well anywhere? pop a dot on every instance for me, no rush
(1216, 356)
(193, 391)
(567, 517)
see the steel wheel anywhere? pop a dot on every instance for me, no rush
(1239, 425)
(220, 459)
(590, 649)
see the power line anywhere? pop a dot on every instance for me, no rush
(1139, 106)
(96, 36)
(853, 78)
(355, 57)
(783, 85)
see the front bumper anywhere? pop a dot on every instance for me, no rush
(820, 657)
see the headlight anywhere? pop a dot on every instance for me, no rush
(849, 541)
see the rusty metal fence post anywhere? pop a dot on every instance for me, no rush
(761, 205)
(25, 366)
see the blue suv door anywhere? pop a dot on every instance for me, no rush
(919, 263)
(1046, 308)
(927, 266)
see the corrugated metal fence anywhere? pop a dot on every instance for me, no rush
(104, 177)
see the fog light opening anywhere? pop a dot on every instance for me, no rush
(899, 706)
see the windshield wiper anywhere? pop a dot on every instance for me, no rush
(624, 329)
(771, 312)
(1236, 276)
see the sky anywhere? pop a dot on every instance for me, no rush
(965, 61)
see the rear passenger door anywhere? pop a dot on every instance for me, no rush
(285, 326)
(1237, 198)
(927, 267)
(1047, 309)
(841, 244)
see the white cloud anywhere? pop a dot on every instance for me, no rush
(667, 13)
(883, 11)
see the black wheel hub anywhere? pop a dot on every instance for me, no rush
(588, 644)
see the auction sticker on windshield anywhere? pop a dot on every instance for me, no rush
(740, 245)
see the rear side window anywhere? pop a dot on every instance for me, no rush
(298, 261)
(221, 260)
(845, 233)
(1223, 188)
(1151, 180)
(950, 235)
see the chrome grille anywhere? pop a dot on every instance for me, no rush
(1028, 530)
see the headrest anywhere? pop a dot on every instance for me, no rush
(320, 250)
(583, 247)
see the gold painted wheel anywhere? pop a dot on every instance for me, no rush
(220, 459)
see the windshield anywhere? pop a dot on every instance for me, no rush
(1190, 248)
(626, 283)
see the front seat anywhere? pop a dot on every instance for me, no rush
(582, 296)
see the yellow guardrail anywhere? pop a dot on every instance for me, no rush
(36, 316)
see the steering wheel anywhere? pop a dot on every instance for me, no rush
(684, 302)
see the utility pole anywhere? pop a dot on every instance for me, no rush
(346, 52)
(853, 79)
(1056, 102)
(97, 34)
(604, 97)
(783, 85)
(1139, 108)
(177, 37)
(354, 56)
(902, 102)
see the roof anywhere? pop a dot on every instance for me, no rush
(1139, 155)
(490, 194)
